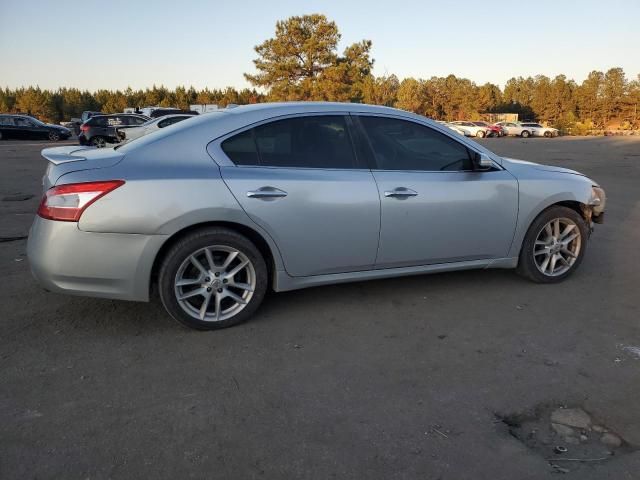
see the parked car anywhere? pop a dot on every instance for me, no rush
(476, 130)
(456, 128)
(538, 130)
(24, 127)
(128, 133)
(77, 122)
(496, 130)
(161, 112)
(516, 129)
(100, 130)
(214, 211)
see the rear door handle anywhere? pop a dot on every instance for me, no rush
(400, 192)
(266, 192)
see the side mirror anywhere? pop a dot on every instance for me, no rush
(482, 162)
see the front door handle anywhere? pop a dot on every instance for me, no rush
(266, 192)
(400, 192)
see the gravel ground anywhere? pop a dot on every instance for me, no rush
(404, 378)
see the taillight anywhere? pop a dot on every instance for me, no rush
(84, 128)
(67, 202)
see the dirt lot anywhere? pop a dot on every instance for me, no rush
(434, 377)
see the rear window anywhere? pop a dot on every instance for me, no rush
(97, 121)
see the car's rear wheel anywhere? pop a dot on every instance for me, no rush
(212, 278)
(54, 136)
(554, 245)
(525, 134)
(480, 134)
(547, 134)
(99, 142)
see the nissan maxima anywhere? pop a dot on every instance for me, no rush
(210, 213)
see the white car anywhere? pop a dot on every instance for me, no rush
(518, 129)
(456, 128)
(131, 133)
(475, 130)
(538, 130)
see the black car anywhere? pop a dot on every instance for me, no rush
(26, 127)
(101, 129)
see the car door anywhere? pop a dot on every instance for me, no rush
(299, 179)
(24, 129)
(435, 208)
(7, 127)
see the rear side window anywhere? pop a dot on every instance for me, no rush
(98, 121)
(135, 121)
(302, 142)
(403, 145)
(6, 121)
(241, 149)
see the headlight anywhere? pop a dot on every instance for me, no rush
(598, 199)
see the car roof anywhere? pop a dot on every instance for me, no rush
(224, 121)
(302, 107)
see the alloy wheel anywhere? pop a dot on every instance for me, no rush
(557, 247)
(54, 137)
(215, 283)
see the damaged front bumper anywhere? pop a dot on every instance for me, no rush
(593, 212)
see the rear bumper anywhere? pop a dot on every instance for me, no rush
(65, 259)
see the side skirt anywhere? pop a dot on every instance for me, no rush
(284, 282)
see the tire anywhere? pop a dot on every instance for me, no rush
(548, 134)
(179, 275)
(525, 134)
(480, 134)
(54, 136)
(530, 264)
(98, 142)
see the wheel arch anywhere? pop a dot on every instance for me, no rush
(580, 208)
(252, 234)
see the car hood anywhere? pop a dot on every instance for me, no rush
(537, 166)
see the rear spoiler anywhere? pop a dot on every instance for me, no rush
(59, 155)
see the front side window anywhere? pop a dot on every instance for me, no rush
(302, 142)
(404, 145)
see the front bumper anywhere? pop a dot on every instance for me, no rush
(66, 259)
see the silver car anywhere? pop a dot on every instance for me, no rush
(217, 209)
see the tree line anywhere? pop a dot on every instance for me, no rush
(302, 62)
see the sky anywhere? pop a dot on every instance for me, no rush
(114, 44)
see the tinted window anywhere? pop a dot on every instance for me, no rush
(22, 122)
(404, 145)
(6, 121)
(303, 142)
(241, 149)
(97, 121)
(135, 121)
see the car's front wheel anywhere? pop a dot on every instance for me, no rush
(480, 134)
(525, 134)
(212, 278)
(554, 245)
(54, 136)
(548, 134)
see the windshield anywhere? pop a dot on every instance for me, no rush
(164, 132)
(35, 120)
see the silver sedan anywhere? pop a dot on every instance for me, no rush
(214, 211)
